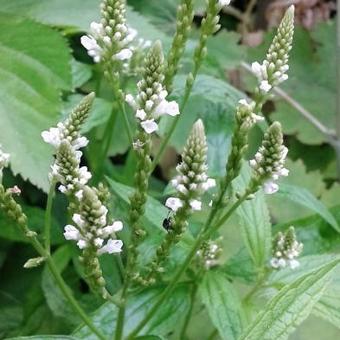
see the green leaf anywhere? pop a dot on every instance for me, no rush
(155, 212)
(168, 318)
(305, 198)
(12, 313)
(291, 306)
(45, 337)
(214, 101)
(34, 67)
(54, 297)
(255, 221)
(223, 304)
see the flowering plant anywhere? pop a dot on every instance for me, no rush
(133, 247)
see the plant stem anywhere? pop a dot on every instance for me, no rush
(48, 218)
(338, 86)
(121, 313)
(191, 307)
(63, 287)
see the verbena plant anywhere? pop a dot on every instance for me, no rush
(185, 263)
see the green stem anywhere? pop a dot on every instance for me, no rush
(63, 287)
(191, 307)
(48, 218)
(121, 313)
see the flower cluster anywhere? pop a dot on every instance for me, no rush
(286, 249)
(246, 118)
(109, 40)
(67, 141)
(273, 69)
(192, 179)
(208, 254)
(151, 101)
(268, 163)
(91, 227)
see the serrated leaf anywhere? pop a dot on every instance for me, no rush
(291, 306)
(255, 221)
(305, 198)
(34, 67)
(168, 318)
(222, 303)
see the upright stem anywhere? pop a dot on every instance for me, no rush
(191, 307)
(48, 218)
(121, 313)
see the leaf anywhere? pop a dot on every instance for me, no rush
(155, 212)
(168, 318)
(45, 337)
(255, 221)
(214, 101)
(34, 67)
(12, 313)
(305, 198)
(291, 306)
(54, 297)
(81, 73)
(223, 304)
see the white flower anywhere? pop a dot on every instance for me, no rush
(98, 242)
(82, 244)
(84, 175)
(4, 159)
(141, 114)
(173, 203)
(166, 108)
(115, 227)
(96, 29)
(259, 70)
(78, 220)
(265, 86)
(52, 136)
(71, 233)
(149, 126)
(224, 3)
(270, 187)
(196, 204)
(80, 142)
(79, 194)
(210, 183)
(124, 54)
(111, 247)
(130, 100)
(93, 49)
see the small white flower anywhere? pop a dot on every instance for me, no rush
(80, 142)
(130, 100)
(84, 175)
(196, 205)
(224, 3)
(149, 126)
(98, 242)
(79, 194)
(78, 220)
(259, 70)
(82, 244)
(71, 233)
(124, 54)
(111, 247)
(265, 86)
(52, 136)
(270, 187)
(173, 203)
(4, 159)
(141, 114)
(167, 108)
(96, 28)
(210, 183)
(115, 227)
(181, 188)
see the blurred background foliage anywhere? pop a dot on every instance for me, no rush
(44, 71)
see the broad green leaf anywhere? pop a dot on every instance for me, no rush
(224, 306)
(305, 198)
(12, 313)
(34, 67)
(291, 306)
(54, 297)
(81, 73)
(77, 14)
(168, 318)
(255, 221)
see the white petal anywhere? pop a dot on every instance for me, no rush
(167, 108)
(210, 183)
(173, 203)
(141, 114)
(52, 136)
(78, 220)
(149, 126)
(82, 244)
(270, 187)
(71, 233)
(124, 54)
(196, 204)
(111, 247)
(265, 86)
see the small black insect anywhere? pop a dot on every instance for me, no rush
(167, 222)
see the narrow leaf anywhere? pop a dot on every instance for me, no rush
(291, 306)
(305, 198)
